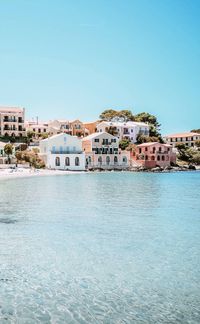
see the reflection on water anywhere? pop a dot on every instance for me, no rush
(100, 248)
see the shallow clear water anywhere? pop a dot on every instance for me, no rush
(100, 248)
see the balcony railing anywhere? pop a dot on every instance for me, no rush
(66, 152)
(10, 120)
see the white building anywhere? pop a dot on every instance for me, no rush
(128, 130)
(62, 151)
(102, 151)
(188, 138)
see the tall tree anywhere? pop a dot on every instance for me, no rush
(151, 120)
(110, 114)
(8, 149)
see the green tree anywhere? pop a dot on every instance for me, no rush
(196, 130)
(151, 120)
(19, 156)
(196, 158)
(197, 143)
(109, 114)
(126, 114)
(8, 149)
(146, 139)
(123, 144)
(112, 130)
(184, 153)
(30, 134)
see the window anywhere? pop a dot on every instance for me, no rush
(158, 158)
(61, 149)
(146, 157)
(96, 139)
(57, 161)
(124, 159)
(53, 149)
(153, 158)
(67, 161)
(140, 150)
(100, 159)
(107, 160)
(146, 149)
(77, 163)
(163, 158)
(115, 159)
(89, 159)
(131, 130)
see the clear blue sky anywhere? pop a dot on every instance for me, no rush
(75, 58)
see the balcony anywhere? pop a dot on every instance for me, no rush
(9, 120)
(66, 152)
(159, 152)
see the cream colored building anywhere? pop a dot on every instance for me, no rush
(102, 151)
(188, 139)
(12, 121)
(63, 152)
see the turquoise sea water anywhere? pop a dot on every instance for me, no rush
(100, 248)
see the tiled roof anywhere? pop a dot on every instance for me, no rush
(188, 134)
(91, 136)
(153, 143)
(10, 109)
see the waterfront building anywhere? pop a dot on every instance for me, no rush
(154, 154)
(124, 130)
(102, 151)
(187, 138)
(62, 152)
(12, 121)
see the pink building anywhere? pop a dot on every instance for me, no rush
(154, 154)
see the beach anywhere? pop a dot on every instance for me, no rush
(10, 173)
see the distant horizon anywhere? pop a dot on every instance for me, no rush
(76, 59)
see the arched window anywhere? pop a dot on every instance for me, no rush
(67, 161)
(153, 158)
(57, 161)
(100, 159)
(124, 159)
(146, 157)
(77, 163)
(107, 160)
(163, 158)
(89, 159)
(158, 158)
(115, 159)
(154, 149)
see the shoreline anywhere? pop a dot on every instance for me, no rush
(6, 174)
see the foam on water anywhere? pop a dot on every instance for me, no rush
(100, 248)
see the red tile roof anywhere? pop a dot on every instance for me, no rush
(188, 134)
